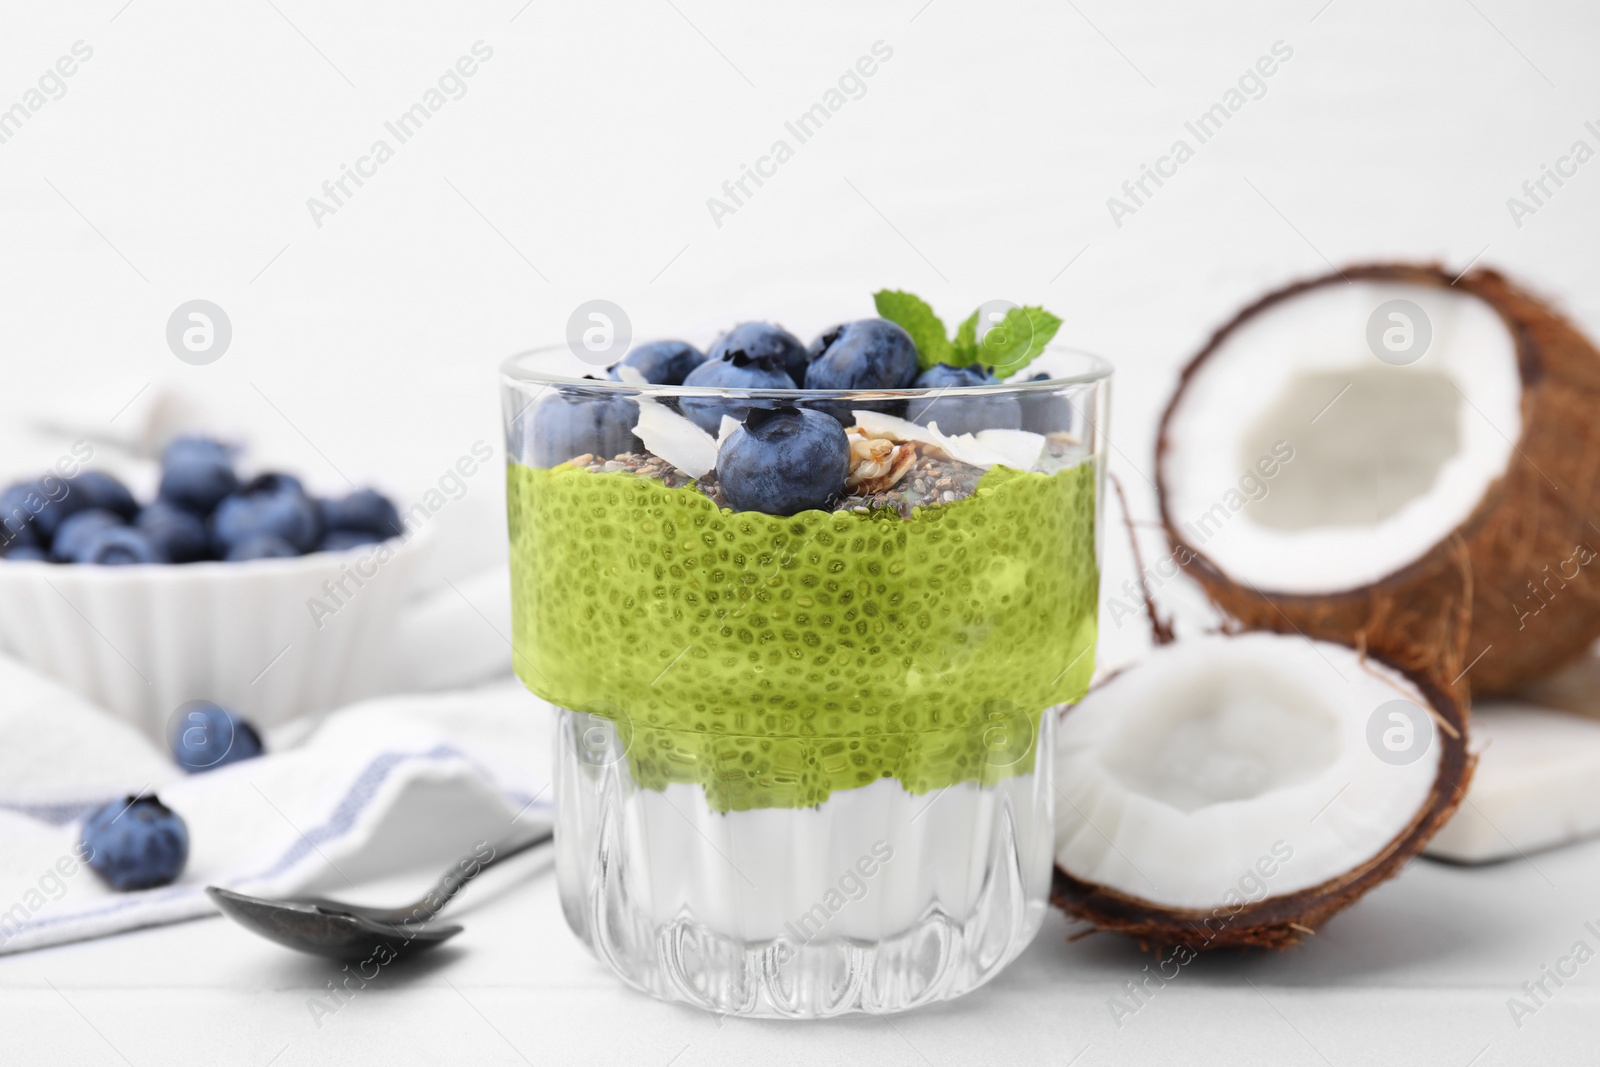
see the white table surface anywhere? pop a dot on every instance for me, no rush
(1419, 973)
(978, 164)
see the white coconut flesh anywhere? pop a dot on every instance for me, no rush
(1296, 461)
(1228, 768)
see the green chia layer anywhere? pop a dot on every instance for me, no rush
(774, 660)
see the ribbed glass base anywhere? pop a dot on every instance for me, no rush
(875, 901)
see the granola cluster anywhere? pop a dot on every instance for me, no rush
(876, 463)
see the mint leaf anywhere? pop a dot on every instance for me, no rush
(964, 350)
(912, 314)
(1014, 342)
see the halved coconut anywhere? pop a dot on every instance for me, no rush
(1239, 790)
(1384, 456)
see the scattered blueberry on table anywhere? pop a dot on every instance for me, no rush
(136, 843)
(204, 735)
(203, 511)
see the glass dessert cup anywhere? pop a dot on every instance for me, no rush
(801, 760)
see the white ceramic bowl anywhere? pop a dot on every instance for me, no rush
(141, 641)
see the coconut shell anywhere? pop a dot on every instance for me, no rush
(1452, 614)
(1281, 921)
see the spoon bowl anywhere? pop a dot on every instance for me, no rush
(336, 932)
(342, 931)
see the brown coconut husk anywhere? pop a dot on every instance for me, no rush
(1282, 921)
(1533, 517)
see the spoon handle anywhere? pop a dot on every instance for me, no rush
(455, 877)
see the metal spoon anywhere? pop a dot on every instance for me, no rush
(352, 931)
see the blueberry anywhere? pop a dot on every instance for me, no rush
(91, 489)
(784, 460)
(870, 354)
(759, 340)
(343, 540)
(963, 414)
(118, 546)
(364, 511)
(207, 735)
(58, 503)
(19, 503)
(273, 505)
(197, 474)
(735, 370)
(1046, 412)
(198, 485)
(196, 445)
(569, 424)
(27, 552)
(662, 362)
(76, 531)
(260, 546)
(101, 490)
(137, 843)
(179, 535)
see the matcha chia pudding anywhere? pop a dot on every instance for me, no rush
(804, 611)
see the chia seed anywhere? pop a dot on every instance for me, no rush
(931, 481)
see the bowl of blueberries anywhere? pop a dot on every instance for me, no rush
(246, 588)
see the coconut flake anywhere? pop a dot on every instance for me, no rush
(675, 439)
(724, 431)
(967, 448)
(892, 428)
(1021, 449)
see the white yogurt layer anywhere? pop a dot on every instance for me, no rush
(867, 863)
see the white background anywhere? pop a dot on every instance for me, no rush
(577, 165)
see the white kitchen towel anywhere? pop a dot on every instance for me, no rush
(384, 787)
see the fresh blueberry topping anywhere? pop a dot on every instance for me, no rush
(364, 511)
(137, 843)
(870, 354)
(735, 370)
(269, 505)
(27, 552)
(72, 540)
(197, 473)
(1046, 412)
(343, 540)
(963, 414)
(118, 546)
(178, 535)
(260, 546)
(783, 461)
(662, 362)
(208, 735)
(760, 340)
(570, 424)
